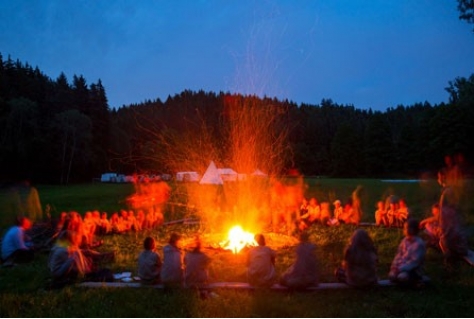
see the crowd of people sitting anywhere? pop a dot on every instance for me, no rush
(313, 212)
(72, 255)
(359, 266)
(443, 231)
(97, 223)
(391, 213)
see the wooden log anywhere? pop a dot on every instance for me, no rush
(237, 285)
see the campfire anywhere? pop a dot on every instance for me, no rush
(238, 239)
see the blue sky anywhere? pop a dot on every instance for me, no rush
(368, 53)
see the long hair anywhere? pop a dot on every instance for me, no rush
(360, 247)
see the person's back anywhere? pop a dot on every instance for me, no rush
(149, 262)
(172, 269)
(360, 260)
(304, 271)
(359, 267)
(196, 268)
(261, 260)
(66, 261)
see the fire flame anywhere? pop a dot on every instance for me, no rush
(237, 239)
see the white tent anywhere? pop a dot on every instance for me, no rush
(228, 174)
(259, 173)
(211, 176)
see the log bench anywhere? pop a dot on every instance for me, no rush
(236, 285)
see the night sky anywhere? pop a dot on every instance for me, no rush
(368, 53)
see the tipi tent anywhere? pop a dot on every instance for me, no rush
(211, 176)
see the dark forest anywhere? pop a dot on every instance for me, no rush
(57, 131)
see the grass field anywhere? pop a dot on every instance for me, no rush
(23, 290)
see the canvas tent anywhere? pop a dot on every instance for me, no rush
(259, 173)
(228, 174)
(211, 176)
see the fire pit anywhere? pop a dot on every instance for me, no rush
(237, 240)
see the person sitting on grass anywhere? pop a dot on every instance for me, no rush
(325, 216)
(381, 214)
(66, 261)
(407, 266)
(89, 228)
(392, 210)
(403, 213)
(352, 213)
(15, 246)
(313, 213)
(431, 227)
(359, 267)
(104, 226)
(303, 272)
(133, 221)
(140, 220)
(196, 274)
(261, 264)
(149, 263)
(348, 215)
(338, 210)
(116, 224)
(303, 208)
(172, 270)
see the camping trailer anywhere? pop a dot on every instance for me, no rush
(108, 178)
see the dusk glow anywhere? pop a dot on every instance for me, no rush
(371, 54)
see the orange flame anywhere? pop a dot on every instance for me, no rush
(238, 238)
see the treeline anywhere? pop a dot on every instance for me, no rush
(59, 132)
(51, 130)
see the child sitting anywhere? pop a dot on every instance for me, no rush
(196, 273)
(172, 270)
(407, 266)
(66, 261)
(431, 227)
(360, 261)
(149, 263)
(381, 214)
(304, 271)
(261, 264)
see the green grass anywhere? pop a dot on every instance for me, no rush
(23, 293)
